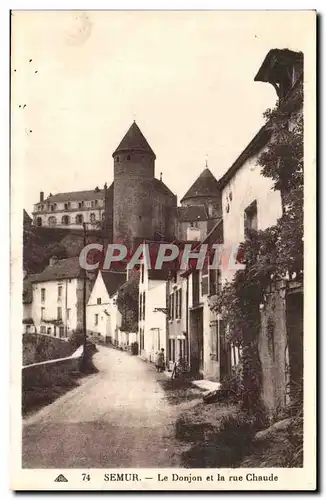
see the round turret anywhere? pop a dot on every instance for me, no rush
(134, 163)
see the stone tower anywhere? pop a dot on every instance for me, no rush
(134, 163)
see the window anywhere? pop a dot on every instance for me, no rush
(42, 312)
(204, 278)
(61, 331)
(59, 313)
(99, 300)
(250, 218)
(48, 331)
(65, 220)
(81, 204)
(117, 159)
(142, 343)
(59, 292)
(195, 287)
(172, 350)
(96, 319)
(182, 349)
(103, 216)
(39, 221)
(42, 294)
(140, 307)
(142, 272)
(79, 219)
(172, 306)
(52, 221)
(42, 329)
(68, 313)
(66, 206)
(96, 203)
(92, 217)
(144, 303)
(180, 302)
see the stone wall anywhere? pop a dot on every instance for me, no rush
(50, 373)
(272, 350)
(38, 348)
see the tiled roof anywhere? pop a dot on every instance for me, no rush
(159, 274)
(62, 269)
(161, 187)
(134, 140)
(275, 60)
(77, 196)
(192, 213)
(113, 280)
(205, 185)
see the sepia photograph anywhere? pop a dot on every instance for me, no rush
(163, 249)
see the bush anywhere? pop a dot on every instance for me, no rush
(134, 348)
(77, 339)
(231, 388)
(226, 448)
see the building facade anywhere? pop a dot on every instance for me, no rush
(250, 202)
(152, 315)
(70, 210)
(101, 320)
(57, 304)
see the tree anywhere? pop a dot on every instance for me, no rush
(269, 255)
(127, 302)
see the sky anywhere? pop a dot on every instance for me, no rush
(79, 79)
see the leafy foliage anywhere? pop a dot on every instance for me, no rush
(127, 302)
(37, 249)
(269, 255)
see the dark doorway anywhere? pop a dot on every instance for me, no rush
(196, 340)
(294, 326)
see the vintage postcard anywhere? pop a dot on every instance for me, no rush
(163, 171)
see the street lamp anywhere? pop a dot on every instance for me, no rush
(85, 224)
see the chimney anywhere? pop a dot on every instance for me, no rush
(53, 260)
(161, 176)
(41, 196)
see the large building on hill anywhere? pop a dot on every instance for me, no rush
(136, 205)
(70, 210)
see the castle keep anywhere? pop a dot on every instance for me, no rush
(136, 205)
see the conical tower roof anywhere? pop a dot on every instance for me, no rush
(134, 140)
(205, 185)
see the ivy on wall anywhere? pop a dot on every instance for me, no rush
(128, 303)
(272, 254)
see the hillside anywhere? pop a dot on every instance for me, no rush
(41, 243)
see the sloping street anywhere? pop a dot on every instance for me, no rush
(118, 417)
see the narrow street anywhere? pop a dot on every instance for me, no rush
(118, 417)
